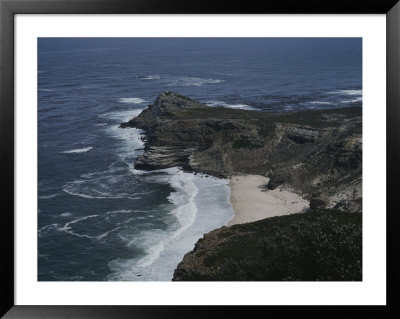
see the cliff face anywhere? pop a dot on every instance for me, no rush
(317, 152)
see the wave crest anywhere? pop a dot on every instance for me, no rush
(132, 100)
(232, 106)
(78, 150)
(193, 81)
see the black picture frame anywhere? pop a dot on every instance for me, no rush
(8, 8)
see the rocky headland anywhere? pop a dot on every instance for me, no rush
(324, 245)
(318, 153)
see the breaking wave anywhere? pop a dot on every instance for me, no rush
(232, 106)
(78, 150)
(193, 81)
(200, 204)
(132, 100)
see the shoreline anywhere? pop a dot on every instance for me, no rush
(252, 201)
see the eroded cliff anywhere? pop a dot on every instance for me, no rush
(317, 152)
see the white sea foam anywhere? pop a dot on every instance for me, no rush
(355, 99)
(153, 243)
(43, 230)
(48, 196)
(105, 234)
(182, 198)
(67, 225)
(321, 102)
(68, 229)
(348, 92)
(129, 138)
(122, 211)
(193, 81)
(121, 116)
(78, 150)
(152, 77)
(353, 95)
(288, 107)
(232, 106)
(200, 203)
(67, 214)
(149, 77)
(67, 189)
(90, 190)
(185, 211)
(132, 100)
(106, 184)
(46, 90)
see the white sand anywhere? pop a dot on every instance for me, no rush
(251, 200)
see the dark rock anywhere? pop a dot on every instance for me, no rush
(294, 148)
(317, 203)
(302, 135)
(273, 184)
(325, 245)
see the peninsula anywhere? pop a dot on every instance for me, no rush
(296, 187)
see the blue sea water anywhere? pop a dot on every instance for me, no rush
(101, 219)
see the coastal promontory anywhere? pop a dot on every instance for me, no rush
(315, 153)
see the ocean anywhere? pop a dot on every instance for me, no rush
(100, 219)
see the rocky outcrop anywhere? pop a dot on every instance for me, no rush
(302, 135)
(317, 151)
(322, 245)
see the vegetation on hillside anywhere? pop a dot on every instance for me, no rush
(321, 245)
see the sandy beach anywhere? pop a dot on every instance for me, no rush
(252, 201)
